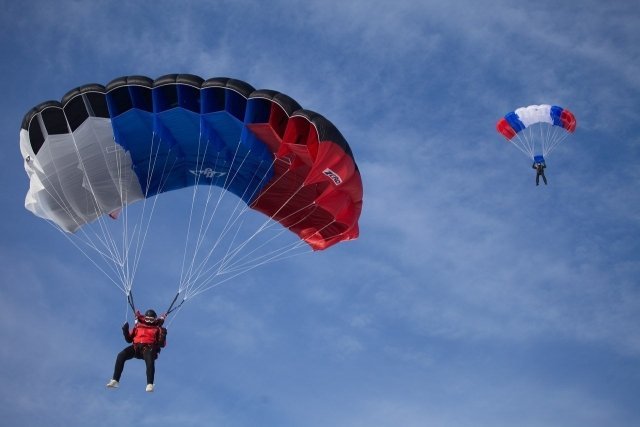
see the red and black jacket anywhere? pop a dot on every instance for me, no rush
(146, 334)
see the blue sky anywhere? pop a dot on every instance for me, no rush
(471, 298)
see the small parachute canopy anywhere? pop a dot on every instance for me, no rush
(537, 129)
(520, 119)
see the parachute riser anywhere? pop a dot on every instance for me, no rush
(171, 306)
(130, 301)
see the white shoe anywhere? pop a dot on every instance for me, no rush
(113, 384)
(149, 388)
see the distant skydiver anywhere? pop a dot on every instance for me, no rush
(540, 167)
(148, 337)
(536, 130)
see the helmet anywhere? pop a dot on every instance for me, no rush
(150, 316)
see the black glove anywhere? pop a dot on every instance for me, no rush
(126, 333)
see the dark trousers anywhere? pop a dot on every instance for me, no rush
(148, 353)
(538, 175)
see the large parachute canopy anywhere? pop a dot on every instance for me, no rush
(537, 130)
(101, 149)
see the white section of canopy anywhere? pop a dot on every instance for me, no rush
(85, 173)
(535, 114)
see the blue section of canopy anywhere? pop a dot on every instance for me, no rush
(556, 114)
(514, 121)
(190, 137)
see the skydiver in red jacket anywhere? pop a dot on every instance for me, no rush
(148, 337)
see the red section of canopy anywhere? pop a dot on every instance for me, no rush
(505, 128)
(568, 120)
(316, 189)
